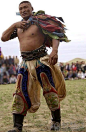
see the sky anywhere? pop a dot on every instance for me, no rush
(73, 13)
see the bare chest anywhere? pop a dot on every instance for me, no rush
(32, 31)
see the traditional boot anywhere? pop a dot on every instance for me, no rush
(56, 120)
(18, 123)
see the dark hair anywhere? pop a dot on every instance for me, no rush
(25, 2)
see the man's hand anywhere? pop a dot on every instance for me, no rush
(7, 33)
(53, 58)
(21, 24)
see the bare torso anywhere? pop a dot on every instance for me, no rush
(30, 39)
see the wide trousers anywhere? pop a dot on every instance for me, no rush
(33, 76)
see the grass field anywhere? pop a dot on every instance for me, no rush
(73, 110)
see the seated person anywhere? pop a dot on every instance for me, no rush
(5, 78)
(80, 74)
(74, 74)
(13, 79)
(70, 75)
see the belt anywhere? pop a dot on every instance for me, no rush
(34, 54)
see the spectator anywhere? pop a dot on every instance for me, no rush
(77, 65)
(13, 79)
(68, 67)
(16, 60)
(65, 73)
(1, 61)
(6, 61)
(61, 66)
(11, 60)
(74, 67)
(80, 74)
(11, 71)
(5, 78)
(3, 67)
(70, 75)
(1, 75)
(74, 75)
(85, 67)
(7, 69)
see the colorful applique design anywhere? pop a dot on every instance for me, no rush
(45, 69)
(24, 85)
(21, 101)
(49, 91)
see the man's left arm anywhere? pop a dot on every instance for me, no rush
(53, 57)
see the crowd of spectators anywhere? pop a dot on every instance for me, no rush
(74, 70)
(8, 69)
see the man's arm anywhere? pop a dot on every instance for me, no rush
(53, 58)
(7, 33)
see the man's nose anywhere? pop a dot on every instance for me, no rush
(23, 10)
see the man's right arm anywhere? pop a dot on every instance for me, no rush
(13, 28)
(7, 33)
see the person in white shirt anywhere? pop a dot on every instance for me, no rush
(80, 74)
(13, 79)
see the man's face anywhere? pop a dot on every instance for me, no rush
(25, 10)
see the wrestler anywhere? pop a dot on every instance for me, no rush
(35, 32)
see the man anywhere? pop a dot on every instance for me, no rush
(16, 60)
(35, 32)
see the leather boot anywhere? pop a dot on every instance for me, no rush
(56, 120)
(18, 123)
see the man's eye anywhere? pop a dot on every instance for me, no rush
(20, 9)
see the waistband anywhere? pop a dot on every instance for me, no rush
(34, 54)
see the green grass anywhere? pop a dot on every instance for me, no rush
(73, 110)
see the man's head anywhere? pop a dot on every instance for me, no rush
(25, 9)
